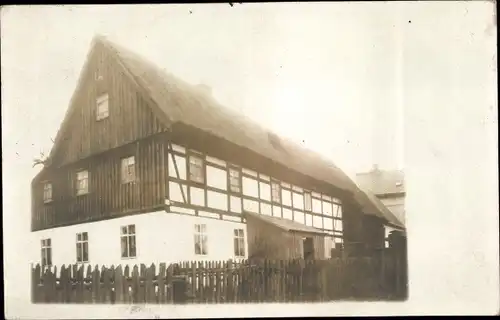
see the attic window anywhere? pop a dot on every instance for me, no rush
(102, 106)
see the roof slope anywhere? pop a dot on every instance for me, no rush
(389, 216)
(382, 181)
(184, 103)
(285, 224)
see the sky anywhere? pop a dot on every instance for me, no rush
(358, 82)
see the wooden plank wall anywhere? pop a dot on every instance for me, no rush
(130, 118)
(107, 196)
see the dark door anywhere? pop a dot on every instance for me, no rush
(308, 245)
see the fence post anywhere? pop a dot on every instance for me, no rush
(127, 289)
(35, 283)
(135, 285)
(150, 287)
(161, 283)
(118, 285)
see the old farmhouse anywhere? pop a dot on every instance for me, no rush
(146, 168)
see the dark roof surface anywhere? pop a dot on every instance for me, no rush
(184, 103)
(285, 224)
(389, 216)
(382, 182)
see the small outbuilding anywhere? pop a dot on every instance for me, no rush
(282, 239)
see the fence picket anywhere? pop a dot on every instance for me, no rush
(119, 285)
(127, 290)
(376, 276)
(161, 283)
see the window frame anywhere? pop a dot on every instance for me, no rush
(127, 235)
(46, 252)
(82, 246)
(79, 191)
(191, 177)
(308, 201)
(200, 239)
(278, 184)
(125, 165)
(231, 179)
(45, 198)
(239, 243)
(100, 100)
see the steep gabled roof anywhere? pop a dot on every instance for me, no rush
(284, 224)
(179, 102)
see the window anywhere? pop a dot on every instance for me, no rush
(128, 170)
(196, 172)
(239, 243)
(275, 191)
(307, 201)
(128, 241)
(234, 180)
(46, 253)
(47, 192)
(82, 247)
(102, 106)
(82, 182)
(200, 239)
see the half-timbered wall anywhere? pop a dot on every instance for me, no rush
(160, 178)
(254, 195)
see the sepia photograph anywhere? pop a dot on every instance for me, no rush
(209, 154)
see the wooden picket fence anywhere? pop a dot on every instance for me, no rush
(373, 278)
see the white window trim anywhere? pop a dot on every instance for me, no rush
(278, 185)
(194, 178)
(45, 198)
(239, 242)
(233, 187)
(126, 163)
(128, 235)
(79, 247)
(200, 234)
(102, 100)
(80, 191)
(45, 251)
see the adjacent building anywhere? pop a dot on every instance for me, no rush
(388, 186)
(146, 168)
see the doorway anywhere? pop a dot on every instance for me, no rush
(308, 246)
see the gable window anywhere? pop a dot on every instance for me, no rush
(239, 243)
(307, 201)
(102, 106)
(196, 172)
(128, 169)
(47, 192)
(82, 182)
(128, 241)
(82, 247)
(234, 180)
(200, 239)
(275, 191)
(46, 253)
